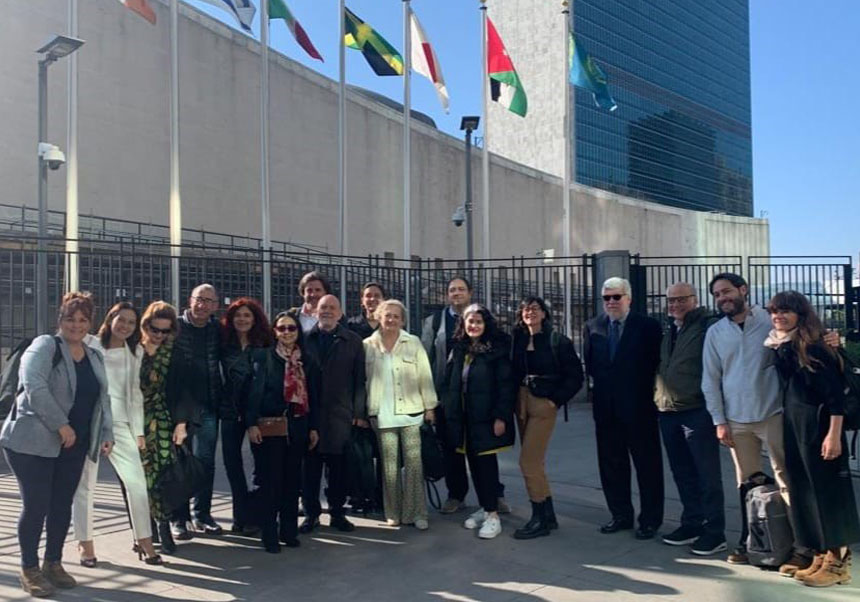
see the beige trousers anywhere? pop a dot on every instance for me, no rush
(535, 421)
(746, 454)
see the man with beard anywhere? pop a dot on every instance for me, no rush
(742, 393)
(312, 287)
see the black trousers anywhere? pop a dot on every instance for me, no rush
(336, 491)
(617, 442)
(279, 470)
(232, 437)
(47, 487)
(456, 478)
(485, 478)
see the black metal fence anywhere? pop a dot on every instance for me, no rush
(140, 272)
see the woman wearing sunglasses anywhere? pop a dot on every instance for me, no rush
(282, 421)
(166, 409)
(244, 328)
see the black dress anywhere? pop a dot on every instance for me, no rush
(823, 509)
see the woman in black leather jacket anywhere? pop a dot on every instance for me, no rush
(285, 387)
(244, 327)
(547, 373)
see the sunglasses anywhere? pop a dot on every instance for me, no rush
(289, 328)
(164, 331)
(612, 297)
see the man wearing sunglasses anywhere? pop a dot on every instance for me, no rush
(622, 350)
(198, 344)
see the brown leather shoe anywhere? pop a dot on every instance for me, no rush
(796, 563)
(55, 573)
(834, 571)
(817, 561)
(34, 583)
(738, 556)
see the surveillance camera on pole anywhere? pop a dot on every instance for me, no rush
(459, 216)
(51, 155)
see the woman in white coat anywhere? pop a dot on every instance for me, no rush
(118, 340)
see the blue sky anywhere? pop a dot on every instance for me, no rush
(805, 59)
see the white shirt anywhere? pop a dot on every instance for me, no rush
(116, 368)
(386, 418)
(307, 321)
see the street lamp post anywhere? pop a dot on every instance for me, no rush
(49, 156)
(469, 124)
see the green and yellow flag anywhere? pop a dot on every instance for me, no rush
(382, 57)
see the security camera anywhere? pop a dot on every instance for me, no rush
(51, 155)
(459, 216)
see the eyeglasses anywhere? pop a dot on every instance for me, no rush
(205, 300)
(612, 297)
(286, 328)
(682, 299)
(155, 330)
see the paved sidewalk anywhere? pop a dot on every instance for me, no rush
(380, 563)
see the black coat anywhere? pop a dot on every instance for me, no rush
(623, 386)
(266, 396)
(490, 395)
(236, 367)
(211, 380)
(360, 326)
(342, 395)
(565, 378)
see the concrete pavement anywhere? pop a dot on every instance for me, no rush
(380, 563)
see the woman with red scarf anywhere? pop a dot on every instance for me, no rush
(282, 418)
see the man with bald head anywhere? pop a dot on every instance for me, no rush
(197, 348)
(340, 354)
(689, 435)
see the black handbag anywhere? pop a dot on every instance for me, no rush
(432, 454)
(359, 461)
(182, 480)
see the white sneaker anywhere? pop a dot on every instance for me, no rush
(392, 522)
(476, 519)
(492, 526)
(421, 524)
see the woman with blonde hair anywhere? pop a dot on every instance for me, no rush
(400, 396)
(167, 409)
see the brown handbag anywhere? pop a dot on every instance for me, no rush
(273, 426)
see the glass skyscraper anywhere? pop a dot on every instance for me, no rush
(680, 73)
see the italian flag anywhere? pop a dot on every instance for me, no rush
(505, 85)
(278, 10)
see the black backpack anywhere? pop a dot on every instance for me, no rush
(851, 421)
(769, 539)
(10, 388)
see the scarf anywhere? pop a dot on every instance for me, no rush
(776, 338)
(295, 389)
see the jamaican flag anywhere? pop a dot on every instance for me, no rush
(382, 57)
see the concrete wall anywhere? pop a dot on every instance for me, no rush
(123, 150)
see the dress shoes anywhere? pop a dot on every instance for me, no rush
(340, 522)
(616, 524)
(645, 532)
(309, 524)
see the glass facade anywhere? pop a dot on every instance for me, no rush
(680, 73)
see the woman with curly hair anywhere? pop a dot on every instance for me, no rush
(823, 509)
(478, 397)
(244, 328)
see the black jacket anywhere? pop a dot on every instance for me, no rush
(210, 381)
(236, 367)
(360, 326)
(563, 379)
(266, 396)
(342, 393)
(490, 395)
(623, 386)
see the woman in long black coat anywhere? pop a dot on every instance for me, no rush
(478, 396)
(285, 384)
(823, 509)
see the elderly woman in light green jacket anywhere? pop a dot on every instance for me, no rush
(400, 396)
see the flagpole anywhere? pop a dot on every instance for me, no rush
(567, 14)
(485, 156)
(341, 132)
(265, 206)
(175, 203)
(407, 146)
(72, 231)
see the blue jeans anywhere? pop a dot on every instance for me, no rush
(204, 440)
(691, 444)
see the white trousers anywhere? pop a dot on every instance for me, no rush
(125, 458)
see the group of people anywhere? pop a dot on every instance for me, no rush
(148, 387)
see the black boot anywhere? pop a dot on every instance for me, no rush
(168, 546)
(536, 527)
(549, 514)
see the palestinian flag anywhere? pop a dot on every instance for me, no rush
(278, 10)
(380, 55)
(505, 85)
(141, 7)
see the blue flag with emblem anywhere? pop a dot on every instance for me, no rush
(585, 73)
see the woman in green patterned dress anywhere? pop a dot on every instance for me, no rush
(165, 416)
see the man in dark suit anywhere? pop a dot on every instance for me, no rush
(622, 352)
(343, 403)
